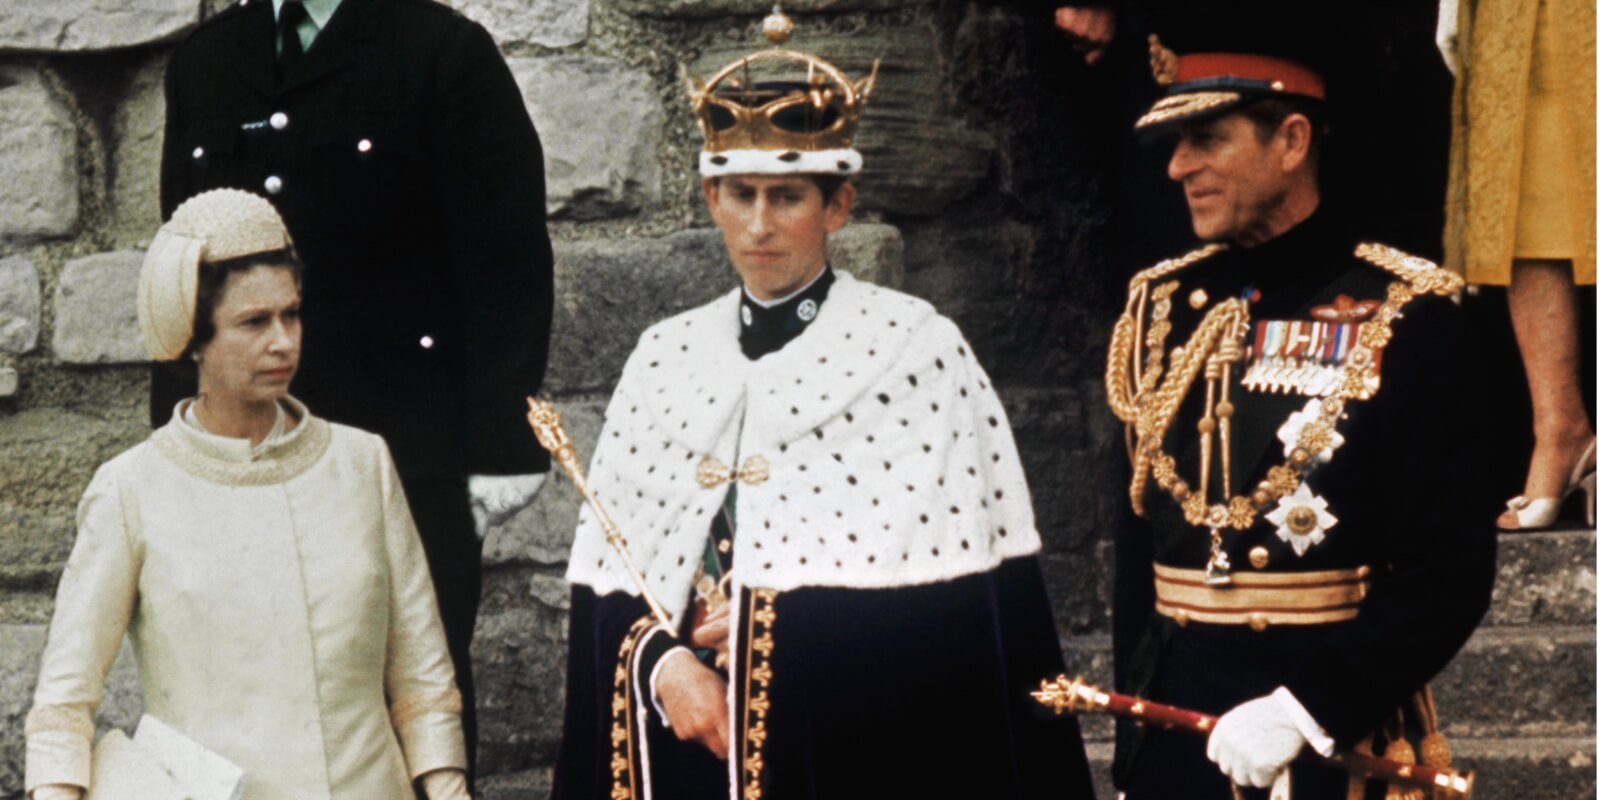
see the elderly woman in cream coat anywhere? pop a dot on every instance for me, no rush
(262, 560)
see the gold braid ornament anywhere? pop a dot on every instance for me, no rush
(546, 424)
(1217, 344)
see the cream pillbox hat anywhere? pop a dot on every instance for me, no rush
(212, 226)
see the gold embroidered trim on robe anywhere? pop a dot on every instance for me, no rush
(758, 654)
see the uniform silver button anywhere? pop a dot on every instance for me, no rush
(426, 342)
(199, 153)
(278, 120)
(273, 184)
(365, 145)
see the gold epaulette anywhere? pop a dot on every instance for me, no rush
(1422, 275)
(1124, 375)
(1171, 265)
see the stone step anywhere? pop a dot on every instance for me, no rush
(1522, 769)
(1545, 579)
(1534, 681)
(1506, 682)
(1506, 769)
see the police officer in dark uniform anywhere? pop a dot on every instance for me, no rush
(393, 140)
(1301, 560)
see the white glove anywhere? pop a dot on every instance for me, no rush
(57, 791)
(446, 784)
(1255, 741)
(496, 498)
(1446, 36)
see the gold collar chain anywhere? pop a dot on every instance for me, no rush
(1216, 345)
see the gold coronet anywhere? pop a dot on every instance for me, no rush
(731, 91)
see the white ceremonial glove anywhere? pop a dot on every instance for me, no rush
(446, 784)
(1255, 741)
(1447, 36)
(56, 791)
(496, 498)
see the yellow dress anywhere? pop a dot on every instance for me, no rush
(1523, 158)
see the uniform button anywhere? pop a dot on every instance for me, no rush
(364, 146)
(199, 153)
(426, 342)
(278, 120)
(1259, 556)
(273, 184)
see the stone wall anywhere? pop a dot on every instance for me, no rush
(976, 197)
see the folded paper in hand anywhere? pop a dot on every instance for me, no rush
(160, 763)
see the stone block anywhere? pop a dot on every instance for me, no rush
(20, 649)
(38, 152)
(519, 663)
(754, 8)
(872, 252)
(96, 321)
(19, 305)
(1545, 579)
(1049, 428)
(608, 292)
(79, 25)
(529, 785)
(47, 457)
(919, 158)
(542, 533)
(600, 123)
(549, 23)
(137, 126)
(1543, 683)
(1079, 586)
(1520, 769)
(8, 381)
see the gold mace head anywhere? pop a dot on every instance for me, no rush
(1066, 694)
(546, 424)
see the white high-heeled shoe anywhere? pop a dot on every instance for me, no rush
(1538, 513)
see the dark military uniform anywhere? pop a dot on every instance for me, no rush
(401, 156)
(1408, 534)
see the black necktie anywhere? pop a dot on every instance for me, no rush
(289, 19)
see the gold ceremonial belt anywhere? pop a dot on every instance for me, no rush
(1261, 599)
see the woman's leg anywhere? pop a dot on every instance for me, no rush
(1544, 315)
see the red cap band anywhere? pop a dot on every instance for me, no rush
(1285, 76)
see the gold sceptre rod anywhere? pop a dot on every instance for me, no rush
(546, 424)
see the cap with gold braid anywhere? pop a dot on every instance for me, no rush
(1213, 61)
(758, 120)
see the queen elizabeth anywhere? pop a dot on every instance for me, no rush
(262, 561)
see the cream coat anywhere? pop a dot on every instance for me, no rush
(280, 610)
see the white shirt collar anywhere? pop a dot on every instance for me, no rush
(790, 296)
(320, 11)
